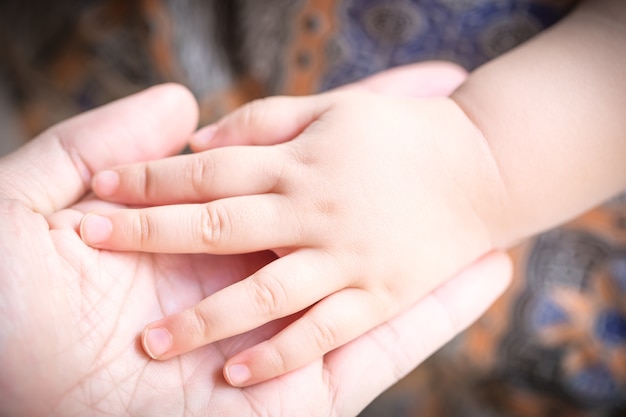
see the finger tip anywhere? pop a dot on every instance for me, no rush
(95, 229)
(194, 148)
(201, 139)
(179, 97)
(156, 342)
(506, 274)
(105, 183)
(237, 374)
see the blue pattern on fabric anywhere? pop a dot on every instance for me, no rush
(610, 327)
(595, 383)
(376, 35)
(547, 313)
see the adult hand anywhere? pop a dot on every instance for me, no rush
(70, 315)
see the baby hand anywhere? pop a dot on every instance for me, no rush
(370, 202)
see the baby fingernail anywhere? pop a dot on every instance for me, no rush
(105, 183)
(238, 374)
(96, 229)
(157, 342)
(203, 136)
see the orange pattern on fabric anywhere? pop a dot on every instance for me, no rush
(315, 24)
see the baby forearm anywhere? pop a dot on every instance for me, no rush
(553, 112)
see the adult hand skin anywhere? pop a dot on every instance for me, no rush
(71, 315)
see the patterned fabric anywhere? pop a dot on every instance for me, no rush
(81, 53)
(553, 345)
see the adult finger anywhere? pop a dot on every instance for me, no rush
(396, 347)
(286, 286)
(424, 79)
(265, 121)
(54, 170)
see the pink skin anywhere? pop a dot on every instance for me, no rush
(250, 303)
(70, 315)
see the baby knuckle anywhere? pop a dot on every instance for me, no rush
(199, 325)
(299, 156)
(143, 229)
(278, 359)
(214, 225)
(145, 182)
(199, 171)
(325, 335)
(252, 113)
(279, 174)
(267, 294)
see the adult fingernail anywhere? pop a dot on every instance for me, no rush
(203, 137)
(238, 374)
(95, 229)
(157, 342)
(105, 183)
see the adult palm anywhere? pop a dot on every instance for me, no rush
(70, 315)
